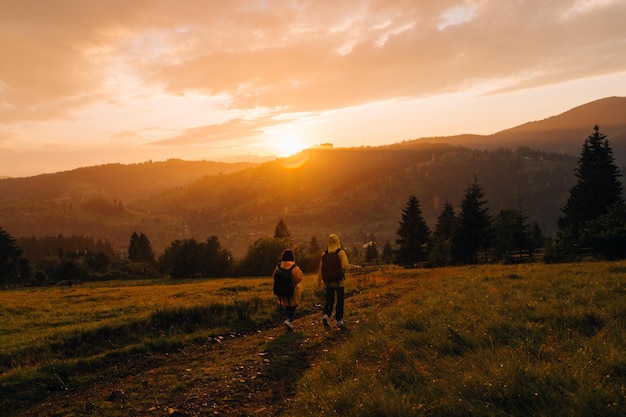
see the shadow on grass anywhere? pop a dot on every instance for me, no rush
(289, 360)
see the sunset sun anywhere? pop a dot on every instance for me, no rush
(287, 144)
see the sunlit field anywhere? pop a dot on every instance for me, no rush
(38, 320)
(515, 340)
(534, 340)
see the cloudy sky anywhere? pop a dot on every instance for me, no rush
(88, 82)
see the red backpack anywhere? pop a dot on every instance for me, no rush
(331, 266)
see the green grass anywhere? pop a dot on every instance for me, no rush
(493, 340)
(73, 335)
(485, 341)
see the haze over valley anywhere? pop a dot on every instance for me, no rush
(356, 192)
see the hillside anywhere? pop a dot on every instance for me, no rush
(357, 192)
(563, 133)
(360, 193)
(123, 182)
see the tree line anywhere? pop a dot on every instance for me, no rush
(593, 222)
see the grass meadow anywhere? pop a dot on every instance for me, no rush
(489, 340)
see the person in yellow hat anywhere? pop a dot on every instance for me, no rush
(332, 275)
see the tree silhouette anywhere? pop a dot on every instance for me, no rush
(511, 233)
(12, 264)
(447, 222)
(606, 234)
(413, 235)
(314, 246)
(387, 255)
(441, 241)
(281, 231)
(189, 258)
(140, 249)
(371, 252)
(596, 192)
(262, 257)
(217, 261)
(474, 230)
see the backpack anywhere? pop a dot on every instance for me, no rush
(331, 266)
(283, 282)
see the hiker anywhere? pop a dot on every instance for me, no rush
(290, 302)
(331, 273)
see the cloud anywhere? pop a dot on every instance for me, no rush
(210, 134)
(310, 68)
(126, 135)
(7, 136)
(304, 56)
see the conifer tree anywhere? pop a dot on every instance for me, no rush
(11, 262)
(314, 246)
(387, 255)
(594, 213)
(371, 252)
(446, 222)
(140, 249)
(440, 243)
(597, 189)
(511, 233)
(413, 235)
(281, 231)
(474, 231)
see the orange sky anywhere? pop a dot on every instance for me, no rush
(92, 82)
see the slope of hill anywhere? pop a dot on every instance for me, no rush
(360, 193)
(564, 133)
(114, 180)
(357, 192)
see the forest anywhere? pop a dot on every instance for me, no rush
(593, 223)
(530, 193)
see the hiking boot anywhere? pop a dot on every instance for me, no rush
(340, 323)
(325, 319)
(288, 324)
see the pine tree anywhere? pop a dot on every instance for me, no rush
(387, 255)
(10, 259)
(597, 188)
(597, 192)
(314, 246)
(446, 222)
(474, 230)
(440, 243)
(140, 249)
(413, 235)
(511, 233)
(281, 231)
(371, 252)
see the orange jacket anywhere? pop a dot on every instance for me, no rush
(297, 276)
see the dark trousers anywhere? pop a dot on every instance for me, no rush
(330, 300)
(291, 312)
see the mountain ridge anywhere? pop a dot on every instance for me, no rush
(357, 192)
(563, 133)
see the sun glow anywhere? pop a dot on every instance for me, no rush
(287, 144)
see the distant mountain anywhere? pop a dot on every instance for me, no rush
(358, 193)
(564, 133)
(118, 181)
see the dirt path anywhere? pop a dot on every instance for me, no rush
(233, 375)
(252, 374)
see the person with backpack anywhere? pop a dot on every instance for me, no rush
(332, 274)
(287, 275)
